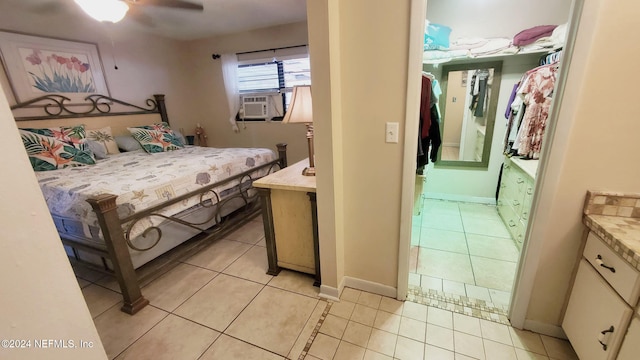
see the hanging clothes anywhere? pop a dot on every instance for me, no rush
(537, 91)
(479, 90)
(429, 129)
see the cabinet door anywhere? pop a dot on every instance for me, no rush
(630, 349)
(595, 308)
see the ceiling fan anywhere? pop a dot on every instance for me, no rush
(115, 10)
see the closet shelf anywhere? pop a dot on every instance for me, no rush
(491, 57)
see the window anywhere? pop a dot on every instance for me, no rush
(275, 79)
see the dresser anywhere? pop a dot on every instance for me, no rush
(289, 213)
(515, 196)
(602, 319)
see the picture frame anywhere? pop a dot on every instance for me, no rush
(36, 66)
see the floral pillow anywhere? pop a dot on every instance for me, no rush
(156, 138)
(104, 137)
(50, 153)
(73, 135)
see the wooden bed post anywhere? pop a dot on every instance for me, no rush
(106, 210)
(162, 107)
(282, 154)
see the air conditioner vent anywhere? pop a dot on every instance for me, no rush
(255, 107)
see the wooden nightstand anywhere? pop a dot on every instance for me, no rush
(290, 220)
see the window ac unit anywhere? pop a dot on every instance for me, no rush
(255, 107)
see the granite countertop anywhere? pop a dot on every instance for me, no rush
(615, 217)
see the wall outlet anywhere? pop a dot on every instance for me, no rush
(391, 131)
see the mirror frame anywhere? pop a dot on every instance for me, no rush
(491, 115)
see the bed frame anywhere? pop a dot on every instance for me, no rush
(116, 230)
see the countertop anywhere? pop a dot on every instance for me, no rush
(615, 217)
(528, 166)
(289, 178)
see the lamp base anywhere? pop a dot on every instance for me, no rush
(309, 171)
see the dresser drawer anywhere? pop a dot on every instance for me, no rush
(624, 279)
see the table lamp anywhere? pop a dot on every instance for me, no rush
(300, 111)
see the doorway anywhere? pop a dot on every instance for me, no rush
(468, 253)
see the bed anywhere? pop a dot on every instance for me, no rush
(135, 213)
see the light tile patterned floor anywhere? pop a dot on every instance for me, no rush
(462, 250)
(364, 326)
(220, 304)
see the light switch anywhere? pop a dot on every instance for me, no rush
(391, 131)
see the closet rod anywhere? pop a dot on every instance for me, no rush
(217, 56)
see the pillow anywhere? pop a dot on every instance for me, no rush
(103, 136)
(73, 135)
(156, 138)
(48, 153)
(127, 143)
(180, 137)
(98, 149)
(436, 36)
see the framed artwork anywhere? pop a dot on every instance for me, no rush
(37, 66)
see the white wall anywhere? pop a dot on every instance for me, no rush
(157, 64)
(210, 99)
(480, 185)
(41, 298)
(495, 18)
(488, 18)
(594, 148)
(368, 89)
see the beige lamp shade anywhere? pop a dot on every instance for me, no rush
(300, 108)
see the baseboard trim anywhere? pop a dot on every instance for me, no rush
(330, 293)
(370, 286)
(465, 198)
(545, 329)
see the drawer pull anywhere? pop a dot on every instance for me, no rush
(601, 263)
(512, 223)
(516, 202)
(520, 180)
(603, 338)
(529, 191)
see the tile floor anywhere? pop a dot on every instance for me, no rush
(463, 249)
(366, 326)
(219, 304)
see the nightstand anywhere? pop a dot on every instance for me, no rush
(289, 212)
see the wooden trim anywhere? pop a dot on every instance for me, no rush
(316, 239)
(269, 232)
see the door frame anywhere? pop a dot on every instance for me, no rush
(531, 251)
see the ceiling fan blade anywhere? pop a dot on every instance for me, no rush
(140, 17)
(48, 8)
(176, 4)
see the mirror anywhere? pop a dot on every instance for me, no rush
(468, 107)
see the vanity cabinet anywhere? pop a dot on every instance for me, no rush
(601, 303)
(630, 349)
(515, 197)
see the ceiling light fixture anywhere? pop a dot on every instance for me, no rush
(104, 10)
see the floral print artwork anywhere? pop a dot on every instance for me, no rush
(58, 72)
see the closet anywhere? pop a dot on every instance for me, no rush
(479, 186)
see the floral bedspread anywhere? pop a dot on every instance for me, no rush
(141, 180)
